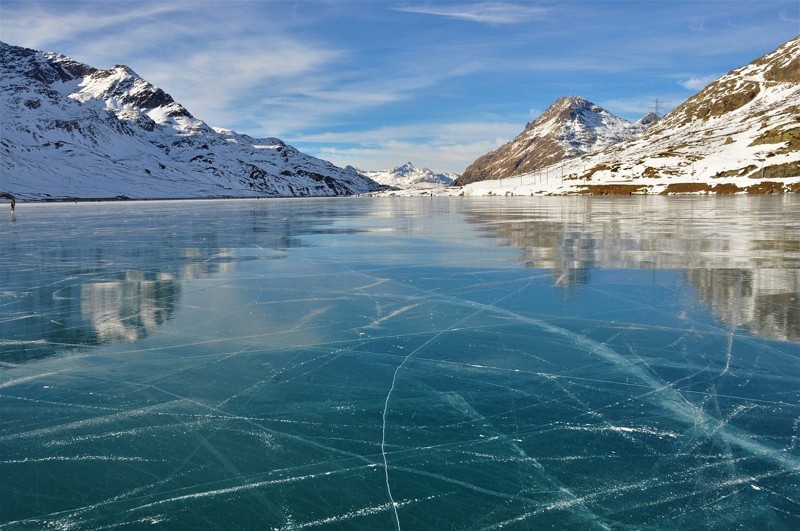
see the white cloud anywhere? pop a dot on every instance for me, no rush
(218, 83)
(187, 51)
(696, 83)
(636, 107)
(786, 17)
(243, 66)
(485, 12)
(334, 94)
(44, 25)
(441, 147)
(239, 65)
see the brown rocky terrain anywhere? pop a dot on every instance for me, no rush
(740, 134)
(570, 127)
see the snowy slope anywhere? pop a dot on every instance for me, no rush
(70, 130)
(741, 134)
(570, 127)
(409, 176)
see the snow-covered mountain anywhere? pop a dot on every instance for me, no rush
(570, 127)
(409, 176)
(740, 134)
(71, 130)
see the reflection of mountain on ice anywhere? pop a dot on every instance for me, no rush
(764, 301)
(117, 272)
(124, 309)
(743, 262)
(128, 309)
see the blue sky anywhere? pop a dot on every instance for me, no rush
(376, 83)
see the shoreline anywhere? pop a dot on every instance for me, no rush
(487, 188)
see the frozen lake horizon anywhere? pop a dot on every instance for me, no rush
(391, 363)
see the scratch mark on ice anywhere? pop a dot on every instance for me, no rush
(734, 324)
(480, 308)
(377, 322)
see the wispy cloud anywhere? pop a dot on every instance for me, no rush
(220, 79)
(274, 78)
(439, 146)
(696, 83)
(484, 12)
(46, 25)
(636, 107)
(224, 86)
(787, 17)
(338, 92)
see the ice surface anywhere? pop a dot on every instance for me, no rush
(412, 363)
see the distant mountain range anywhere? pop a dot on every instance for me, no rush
(409, 176)
(570, 127)
(740, 134)
(71, 130)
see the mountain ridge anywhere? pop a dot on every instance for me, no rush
(408, 176)
(740, 134)
(570, 127)
(72, 130)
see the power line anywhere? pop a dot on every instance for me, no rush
(657, 108)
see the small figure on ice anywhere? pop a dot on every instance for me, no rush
(6, 195)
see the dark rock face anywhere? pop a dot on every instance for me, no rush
(30, 63)
(133, 90)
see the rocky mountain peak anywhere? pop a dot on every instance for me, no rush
(405, 168)
(122, 88)
(648, 119)
(44, 67)
(740, 134)
(570, 127)
(408, 176)
(124, 69)
(562, 110)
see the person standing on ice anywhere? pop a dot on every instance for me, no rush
(6, 195)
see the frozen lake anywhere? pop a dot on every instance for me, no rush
(417, 363)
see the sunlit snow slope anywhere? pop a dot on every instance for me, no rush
(409, 176)
(71, 130)
(741, 134)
